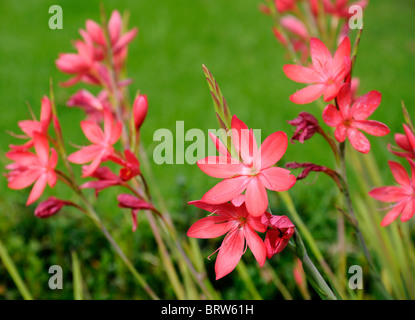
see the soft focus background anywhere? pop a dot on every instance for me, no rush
(175, 38)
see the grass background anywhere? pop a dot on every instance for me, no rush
(175, 38)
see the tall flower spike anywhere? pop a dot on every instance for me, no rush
(352, 117)
(29, 168)
(403, 196)
(327, 73)
(239, 227)
(103, 142)
(253, 172)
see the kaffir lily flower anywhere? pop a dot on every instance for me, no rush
(240, 229)
(285, 5)
(403, 196)
(50, 207)
(280, 231)
(93, 106)
(340, 8)
(253, 172)
(327, 73)
(135, 204)
(306, 126)
(103, 142)
(140, 109)
(30, 127)
(29, 168)
(352, 117)
(106, 178)
(130, 165)
(406, 142)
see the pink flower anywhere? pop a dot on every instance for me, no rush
(239, 227)
(285, 5)
(93, 106)
(340, 8)
(50, 207)
(30, 127)
(103, 142)
(403, 196)
(140, 108)
(29, 168)
(253, 172)
(130, 163)
(406, 142)
(106, 178)
(352, 117)
(327, 73)
(136, 204)
(280, 231)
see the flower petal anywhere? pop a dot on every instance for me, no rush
(388, 194)
(409, 211)
(399, 173)
(365, 105)
(301, 74)
(256, 245)
(256, 198)
(358, 140)
(308, 94)
(331, 116)
(210, 227)
(392, 214)
(277, 179)
(230, 253)
(37, 189)
(375, 128)
(226, 190)
(220, 167)
(271, 150)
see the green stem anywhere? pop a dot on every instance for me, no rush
(11, 268)
(313, 275)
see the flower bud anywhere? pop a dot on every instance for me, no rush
(140, 110)
(50, 207)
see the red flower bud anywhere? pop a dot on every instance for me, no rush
(140, 110)
(50, 207)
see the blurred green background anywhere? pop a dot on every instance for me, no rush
(235, 42)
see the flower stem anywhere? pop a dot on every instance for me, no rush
(313, 275)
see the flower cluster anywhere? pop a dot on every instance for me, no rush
(99, 61)
(239, 202)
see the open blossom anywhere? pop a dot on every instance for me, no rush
(130, 165)
(402, 196)
(340, 8)
(106, 178)
(352, 117)
(239, 227)
(253, 172)
(102, 142)
(280, 231)
(405, 144)
(29, 168)
(30, 127)
(327, 73)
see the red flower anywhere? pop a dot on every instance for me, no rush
(31, 168)
(327, 72)
(352, 117)
(239, 227)
(130, 163)
(103, 142)
(307, 125)
(403, 196)
(50, 207)
(106, 178)
(136, 204)
(140, 108)
(285, 5)
(252, 173)
(406, 142)
(30, 127)
(280, 232)
(340, 8)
